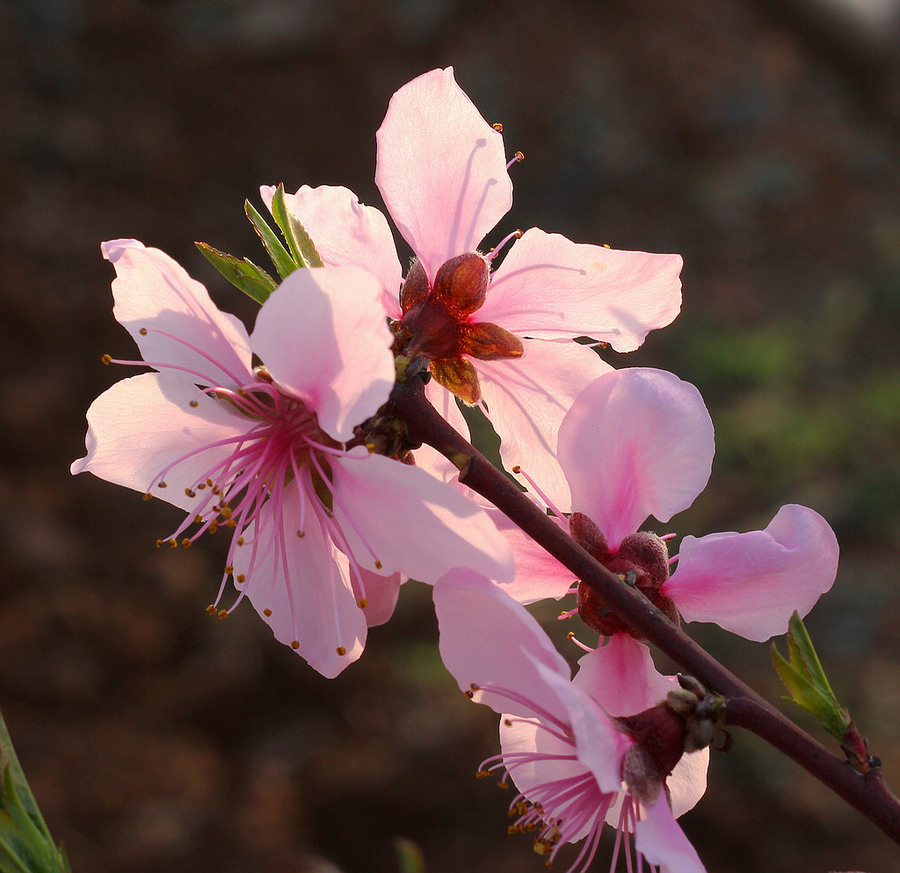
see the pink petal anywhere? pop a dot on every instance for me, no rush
(524, 737)
(347, 233)
(441, 169)
(172, 318)
(323, 336)
(304, 582)
(687, 782)
(661, 841)
(621, 677)
(381, 595)
(411, 522)
(141, 425)
(549, 287)
(750, 583)
(528, 398)
(635, 443)
(538, 574)
(485, 637)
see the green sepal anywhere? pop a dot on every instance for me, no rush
(244, 275)
(411, 858)
(805, 679)
(25, 842)
(284, 263)
(298, 240)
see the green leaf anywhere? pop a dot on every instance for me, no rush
(244, 275)
(806, 681)
(298, 240)
(410, 855)
(284, 263)
(25, 842)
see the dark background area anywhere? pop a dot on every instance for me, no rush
(758, 139)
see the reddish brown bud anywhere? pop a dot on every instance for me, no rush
(489, 342)
(415, 288)
(458, 376)
(588, 536)
(649, 552)
(461, 283)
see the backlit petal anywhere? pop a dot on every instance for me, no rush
(413, 523)
(346, 232)
(635, 443)
(172, 318)
(142, 425)
(750, 583)
(549, 287)
(303, 583)
(323, 336)
(661, 841)
(441, 169)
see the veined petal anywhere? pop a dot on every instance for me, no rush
(635, 443)
(441, 169)
(528, 398)
(323, 336)
(301, 585)
(347, 233)
(621, 677)
(661, 841)
(549, 287)
(750, 583)
(485, 638)
(141, 426)
(172, 318)
(411, 522)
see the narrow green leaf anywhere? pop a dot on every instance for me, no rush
(806, 682)
(244, 275)
(284, 263)
(298, 240)
(410, 855)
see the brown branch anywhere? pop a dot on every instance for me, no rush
(867, 793)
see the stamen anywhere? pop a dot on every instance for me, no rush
(517, 157)
(559, 516)
(516, 234)
(572, 639)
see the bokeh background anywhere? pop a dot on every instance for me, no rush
(759, 138)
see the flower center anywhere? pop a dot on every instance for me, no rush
(437, 323)
(642, 561)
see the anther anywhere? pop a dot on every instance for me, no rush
(362, 603)
(267, 612)
(240, 541)
(143, 331)
(173, 544)
(507, 722)
(295, 644)
(195, 403)
(161, 485)
(189, 493)
(498, 127)
(148, 496)
(107, 360)
(186, 543)
(211, 609)
(300, 535)
(159, 544)
(223, 614)
(519, 156)
(229, 569)
(341, 650)
(240, 578)
(378, 564)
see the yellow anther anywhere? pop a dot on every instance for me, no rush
(362, 603)
(498, 127)
(223, 613)
(229, 569)
(482, 774)
(378, 564)
(173, 544)
(148, 497)
(516, 469)
(607, 246)
(107, 359)
(159, 544)
(186, 542)
(507, 722)
(267, 612)
(341, 650)
(231, 523)
(194, 403)
(513, 829)
(161, 485)
(570, 636)
(519, 156)
(189, 493)
(226, 511)
(240, 579)
(143, 331)
(198, 519)
(295, 645)
(213, 527)
(240, 541)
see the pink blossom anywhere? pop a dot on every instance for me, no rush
(640, 442)
(320, 530)
(571, 758)
(501, 338)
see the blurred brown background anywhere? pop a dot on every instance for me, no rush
(758, 139)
